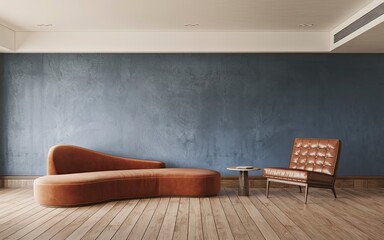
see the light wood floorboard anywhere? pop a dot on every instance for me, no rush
(181, 225)
(195, 227)
(250, 226)
(116, 223)
(130, 221)
(166, 230)
(157, 220)
(140, 227)
(355, 214)
(222, 224)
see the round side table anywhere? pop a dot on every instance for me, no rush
(243, 178)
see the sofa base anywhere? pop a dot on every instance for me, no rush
(93, 187)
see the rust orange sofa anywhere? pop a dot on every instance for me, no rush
(78, 176)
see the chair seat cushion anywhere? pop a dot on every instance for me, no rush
(298, 175)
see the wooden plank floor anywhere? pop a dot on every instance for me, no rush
(355, 214)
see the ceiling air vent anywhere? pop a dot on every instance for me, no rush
(364, 20)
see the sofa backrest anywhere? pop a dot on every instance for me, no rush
(317, 155)
(65, 159)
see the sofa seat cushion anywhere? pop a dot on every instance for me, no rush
(92, 187)
(298, 175)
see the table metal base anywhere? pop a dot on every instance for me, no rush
(243, 184)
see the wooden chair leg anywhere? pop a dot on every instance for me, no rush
(306, 194)
(267, 190)
(334, 192)
(300, 189)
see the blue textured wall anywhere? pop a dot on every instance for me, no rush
(191, 110)
(2, 115)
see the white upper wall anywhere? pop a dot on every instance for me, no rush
(163, 42)
(7, 39)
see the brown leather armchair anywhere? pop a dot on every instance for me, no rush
(313, 164)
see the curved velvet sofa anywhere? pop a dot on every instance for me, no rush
(78, 176)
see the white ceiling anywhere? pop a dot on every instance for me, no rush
(159, 26)
(171, 15)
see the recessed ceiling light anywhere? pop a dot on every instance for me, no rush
(306, 25)
(191, 25)
(45, 25)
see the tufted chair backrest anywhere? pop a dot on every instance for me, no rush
(317, 155)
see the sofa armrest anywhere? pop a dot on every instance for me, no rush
(65, 159)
